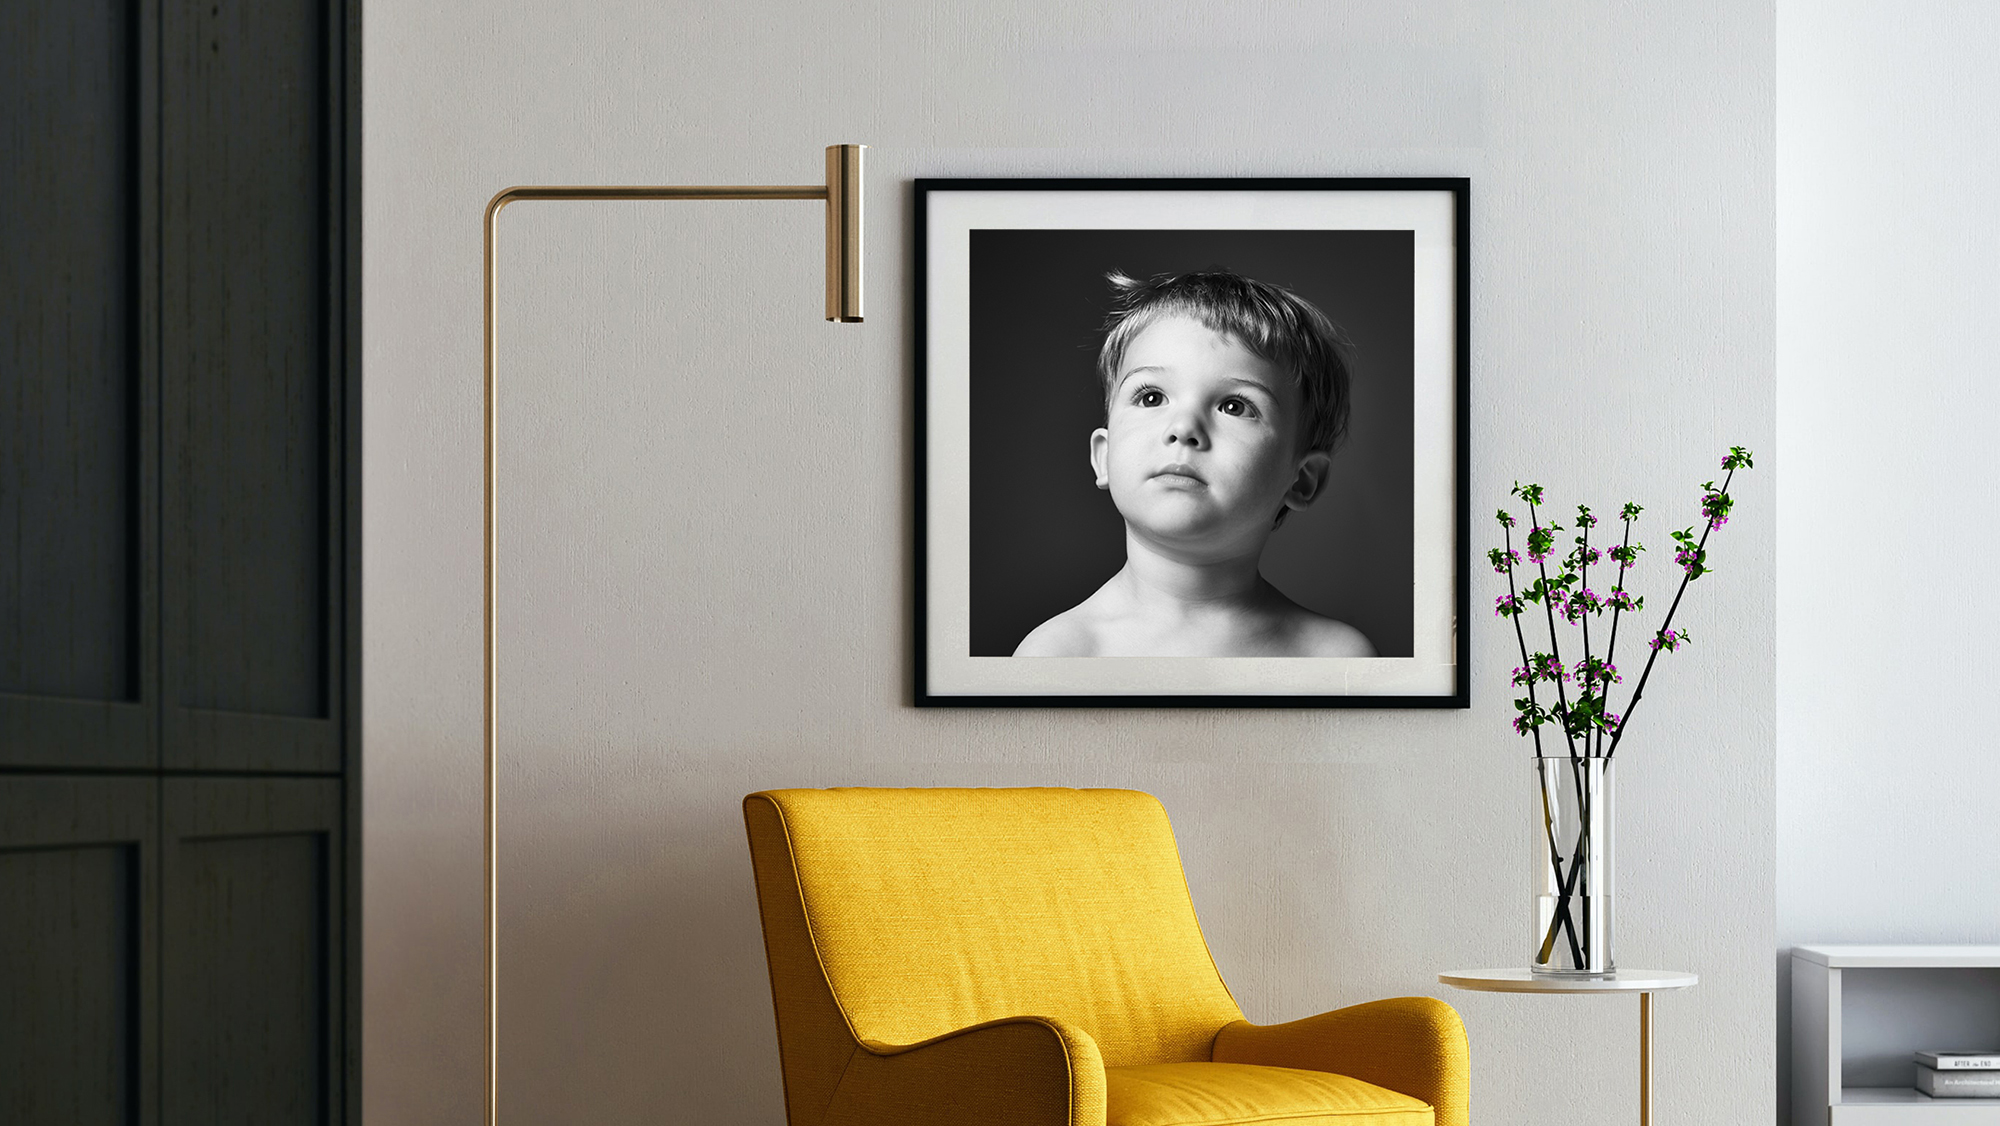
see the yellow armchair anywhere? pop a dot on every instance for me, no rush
(1031, 958)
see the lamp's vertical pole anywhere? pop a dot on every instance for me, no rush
(490, 715)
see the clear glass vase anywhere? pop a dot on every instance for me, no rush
(1573, 878)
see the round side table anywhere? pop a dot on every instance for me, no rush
(1643, 982)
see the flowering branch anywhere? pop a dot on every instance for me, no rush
(1693, 558)
(1625, 554)
(1590, 727)
(1540, 541)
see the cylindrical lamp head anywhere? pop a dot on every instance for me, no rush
(843, 233)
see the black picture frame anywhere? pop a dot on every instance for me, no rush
(1005, 345)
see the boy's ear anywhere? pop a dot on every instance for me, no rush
(1100, 446)
(1314, 468)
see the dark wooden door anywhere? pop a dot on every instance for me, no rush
(177, 705)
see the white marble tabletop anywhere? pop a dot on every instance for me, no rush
(1528, 981)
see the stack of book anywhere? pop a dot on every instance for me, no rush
(1959, 1075)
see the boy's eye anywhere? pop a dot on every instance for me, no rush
(1237, 408)
(1149, 397)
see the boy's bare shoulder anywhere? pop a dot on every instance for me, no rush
(1068, 634)
(1321, 636)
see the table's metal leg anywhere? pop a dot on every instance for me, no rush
(1646, 1059)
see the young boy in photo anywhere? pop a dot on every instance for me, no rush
(1224, 398)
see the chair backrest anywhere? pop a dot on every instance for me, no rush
(924, 911)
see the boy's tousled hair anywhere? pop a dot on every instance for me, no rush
(1275, 324)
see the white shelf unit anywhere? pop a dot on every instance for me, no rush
(1826, 1030)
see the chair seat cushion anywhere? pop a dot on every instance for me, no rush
(1215, 1094)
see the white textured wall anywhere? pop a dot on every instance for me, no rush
(1889, 314)
(705, 585)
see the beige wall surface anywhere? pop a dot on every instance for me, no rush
(1889, 307)
(706, 534)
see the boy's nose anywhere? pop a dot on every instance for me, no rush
(1185, 430)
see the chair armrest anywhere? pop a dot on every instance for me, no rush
(1415, 1045)
(1031, 1071)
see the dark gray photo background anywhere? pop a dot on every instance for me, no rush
(1044, 536)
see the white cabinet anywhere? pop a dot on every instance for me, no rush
(1859, 1012)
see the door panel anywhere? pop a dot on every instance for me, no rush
(249, 389)
(78, 1029)
(76, 515)
(251, 871)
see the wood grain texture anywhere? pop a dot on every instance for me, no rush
(78, 524)
(68, 338)
(78, 951)
(244, 342)
(251, 875)
(250, 389)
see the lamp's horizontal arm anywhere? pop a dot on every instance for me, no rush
(841, 193)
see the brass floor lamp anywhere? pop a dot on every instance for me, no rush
(842, 193)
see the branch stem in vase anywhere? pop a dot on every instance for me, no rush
(1563, 919)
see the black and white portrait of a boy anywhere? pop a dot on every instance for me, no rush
(1191, 443)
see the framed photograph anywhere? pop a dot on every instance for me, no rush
(1191, 443)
